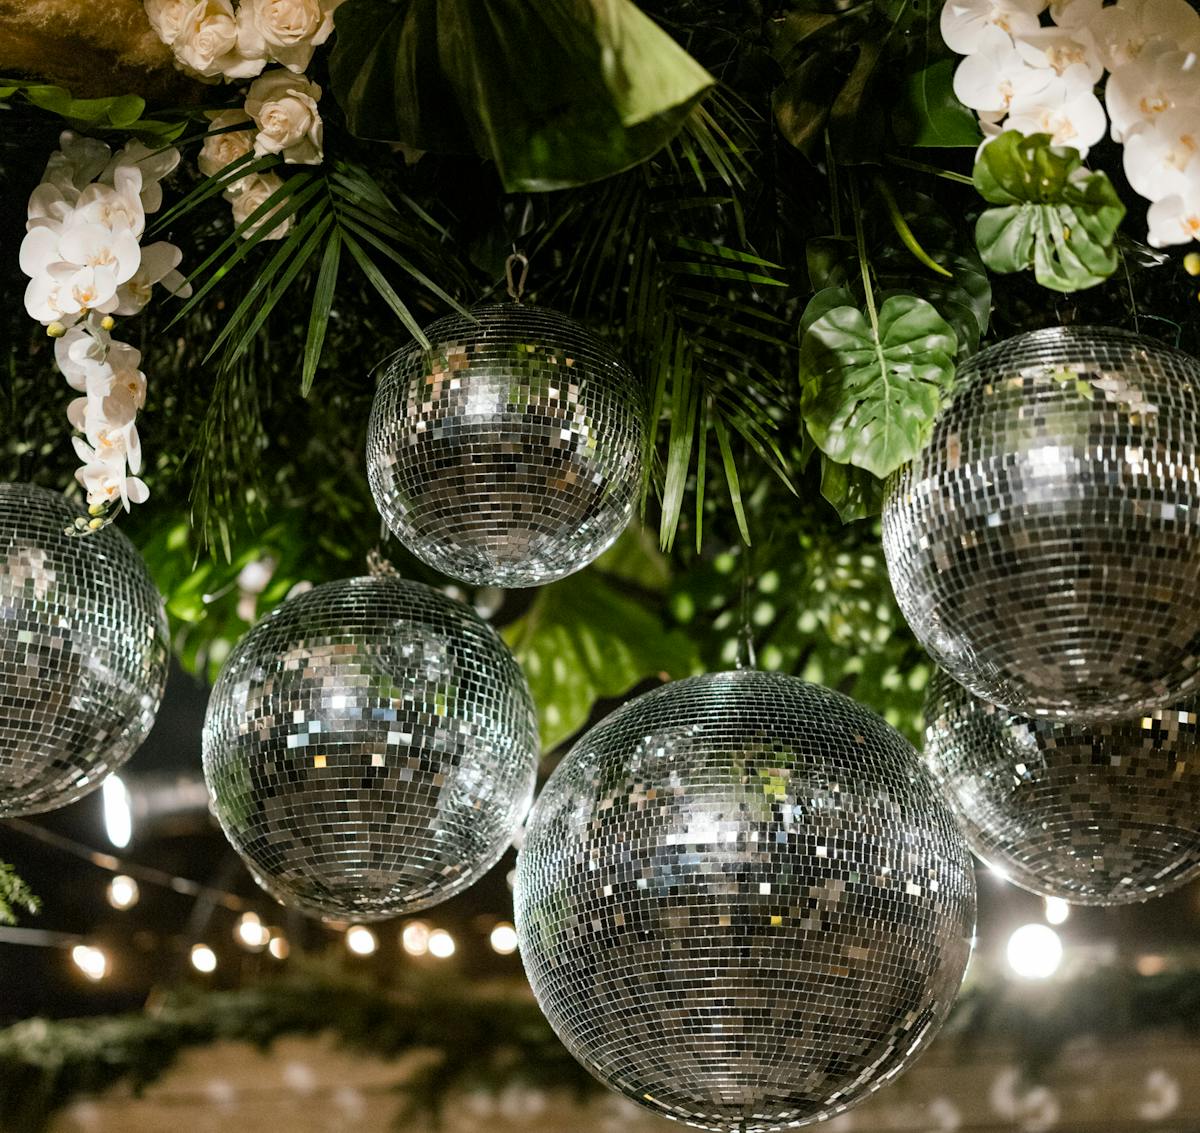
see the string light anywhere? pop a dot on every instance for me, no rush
(1034, 952)
(1057, 910)
(441, 944)
(123, 892)
(278, 946)
(414, 938)
(204, 959)
(91, 961)
(504, 939)
(361, 940)
(251, 933)
(118, 811)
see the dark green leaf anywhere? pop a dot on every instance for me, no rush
(322, 304)
(853, 492)
(870, 400)
(929, 114)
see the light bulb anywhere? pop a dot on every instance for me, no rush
(123, 892)
(504, 939)
(1034, 952)
(414, 938)
(91, 961)
(1057, 910)
(441, 944)
(278, 947)
(118, 812)
(361, 940)
(251, 933)
(204, 959)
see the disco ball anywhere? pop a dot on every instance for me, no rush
(510, 453)
(741, 903)
(1045, 546)
(83, 652)
(1101, 814)
(370, 749)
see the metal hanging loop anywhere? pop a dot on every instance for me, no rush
(516, 287)
(380, 567)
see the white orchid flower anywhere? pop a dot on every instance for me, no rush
(1157, 156)
(993, 77)
(1067, 109)
(966, 23)
(1126, 30)
(1075, 13)
(106, 482)
(159, 261)
(1158, 80)
(1061, 49)
(1175, 219)
(114, 206)
(75, 164)
(95, 261)
(152, 164)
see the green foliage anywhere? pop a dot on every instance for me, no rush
(1054, 216)
(116, 112)
(15, 896)
(929, 114)
(556, 95)
(871, 391)
(587, 639)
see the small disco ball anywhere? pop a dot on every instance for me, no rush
(1045, 545)
(741, 903)
(370, 749)
(510, 453)
(83, 652)
(1101, 814)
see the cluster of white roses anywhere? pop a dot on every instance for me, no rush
(85, 263)
(212, 40)
(1021, 74)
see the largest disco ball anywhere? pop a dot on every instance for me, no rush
(510, 453)
(1102, 814)
(83, 652)
(1045, 546)
(741, 903)
(370, 748)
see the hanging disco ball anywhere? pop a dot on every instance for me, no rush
(1045, 546)
(370, 749)
(510, 453)
(1100, 814)
(83, 652)
(741, 903)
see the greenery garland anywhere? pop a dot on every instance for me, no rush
(493, 1039)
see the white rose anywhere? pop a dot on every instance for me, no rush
(284, 108)
(210, 43)
(253, 192)
(167, 17)
(290, 29)
(221, 150)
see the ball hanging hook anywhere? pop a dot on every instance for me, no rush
(516, 283)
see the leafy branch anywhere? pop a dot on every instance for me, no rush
(15, 895)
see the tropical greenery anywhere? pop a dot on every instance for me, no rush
(788, 236)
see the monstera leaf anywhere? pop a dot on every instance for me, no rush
(1054, 216)
(585, 639)
(557, 94)
(870, 394)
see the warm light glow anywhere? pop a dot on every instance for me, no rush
(1034, 952)
(504, 939)
(278, 947)
(251, 933)
(1057, 910)
(123, 892)
(92, 962)
(204, 959)
(414, 937)
(997, 872)
(1151, 965)
(118, 814)
(511, 879)
(361, 940)
(441, 944)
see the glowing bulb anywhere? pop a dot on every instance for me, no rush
(1034, 952)
(118, 813)
(361, 940)
(504, 939)
(415, 938)
(1057, 910)
(92, 962)
(123, 892)
(251, 933)
(279, 946)
(204, 959)
(441, 944)
(510, 879)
